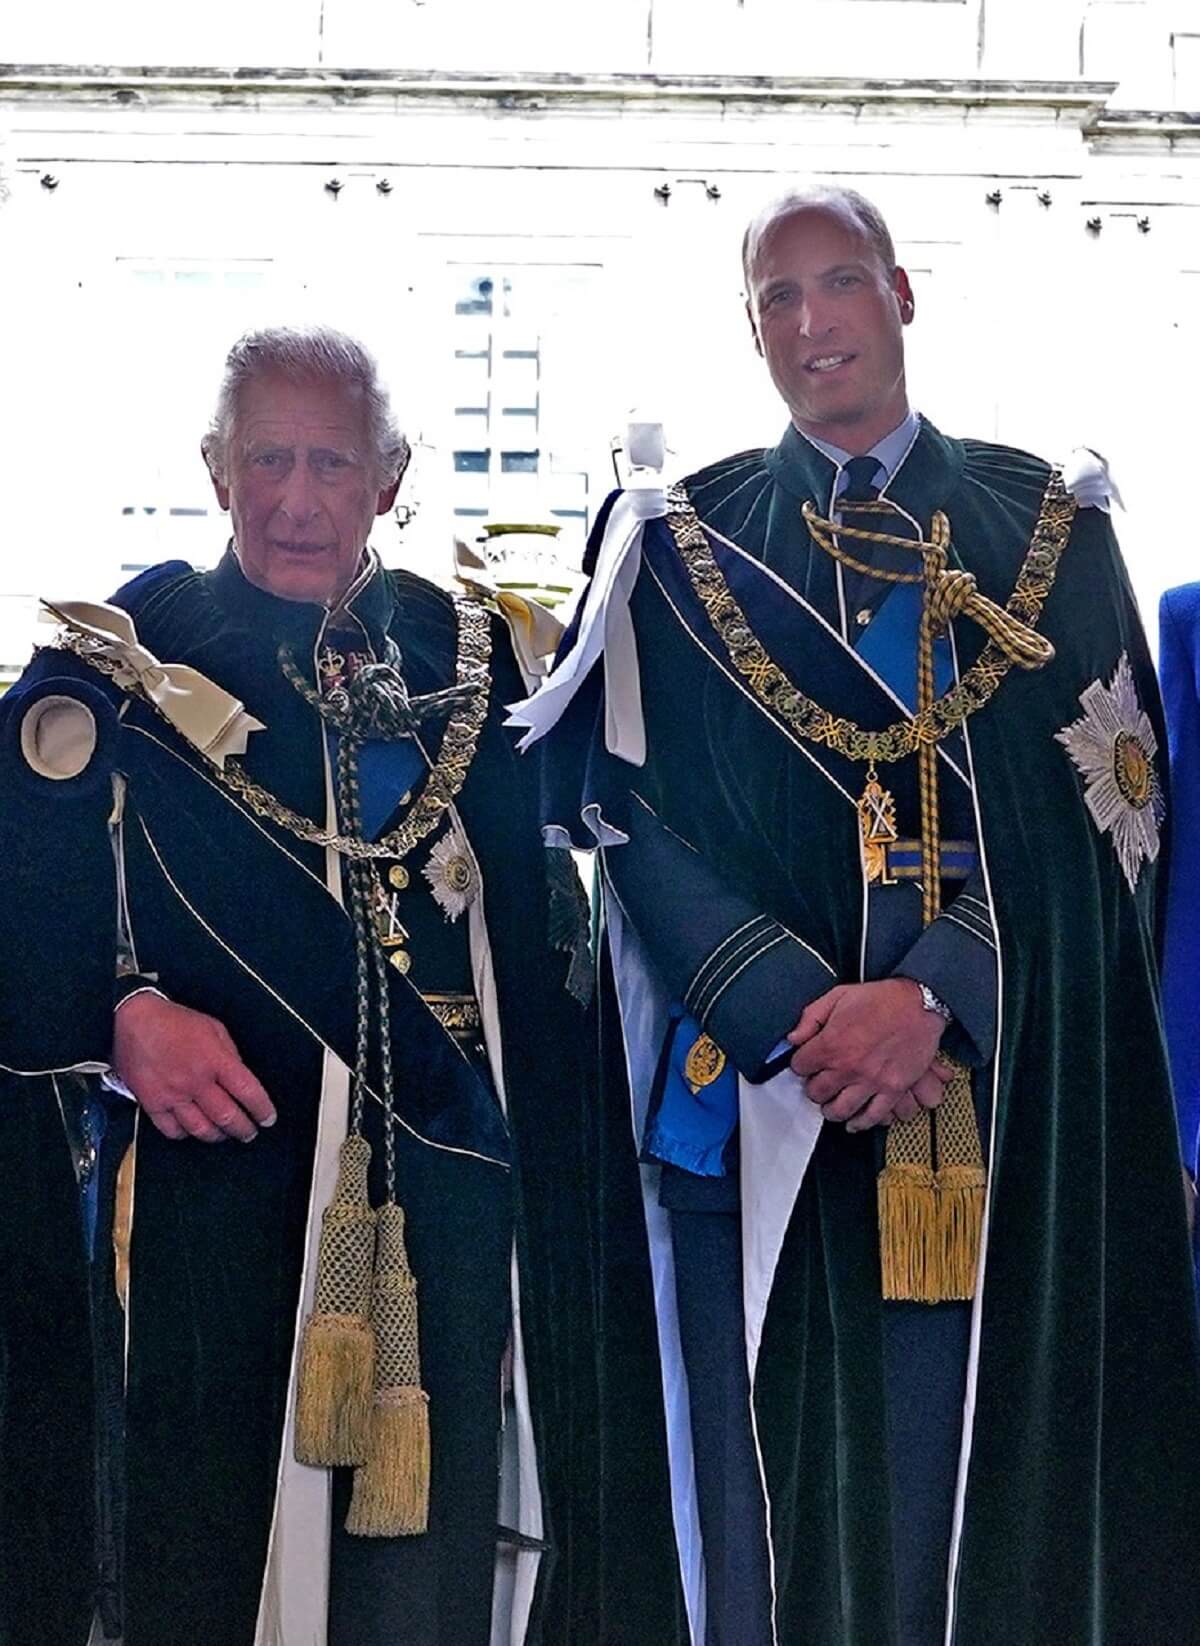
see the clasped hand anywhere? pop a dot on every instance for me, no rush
(867, 1052)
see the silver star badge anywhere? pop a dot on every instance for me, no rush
(452, 874)
(1113, 746)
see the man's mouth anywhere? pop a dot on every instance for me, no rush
(300, 548)
(822, 363)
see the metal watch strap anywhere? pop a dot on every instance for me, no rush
(932, 1003)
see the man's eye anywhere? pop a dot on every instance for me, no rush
(845, 281)
(267, 460)
(331, 460)
(778, 298)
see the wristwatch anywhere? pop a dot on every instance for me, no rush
(932, 1003)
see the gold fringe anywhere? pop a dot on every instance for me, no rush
(961, 1191)
(908, 1232)
(391, 1490)
(930, 1229)
(333, 1390)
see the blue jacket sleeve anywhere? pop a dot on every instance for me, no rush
(741, 974)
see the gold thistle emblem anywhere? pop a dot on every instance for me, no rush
(877, 828)
(1113, 746)
(704, 1063)
(1132, 770)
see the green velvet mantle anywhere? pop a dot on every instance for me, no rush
(1080, 1492)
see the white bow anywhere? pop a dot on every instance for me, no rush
(202, 712)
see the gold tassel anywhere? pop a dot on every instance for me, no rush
(931, 1223)
(961, 1191)
(337, 1354)
(391, 1489)
(909, 1245)
(930, 1227)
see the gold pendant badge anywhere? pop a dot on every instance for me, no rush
(877, 827)
(704, 1063)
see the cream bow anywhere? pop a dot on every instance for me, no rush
(201, 712)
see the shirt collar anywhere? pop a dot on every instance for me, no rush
(889, 452)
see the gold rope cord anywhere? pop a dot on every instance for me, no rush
(390, 1496)
(933, 1185)
(459, 743)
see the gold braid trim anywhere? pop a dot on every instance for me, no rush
(937, 719)
(459, 744)
(934, 1184)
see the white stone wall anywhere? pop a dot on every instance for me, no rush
(1149, 45)
(189, 204)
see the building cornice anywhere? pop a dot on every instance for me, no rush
(1076, 102)
(1126, 131)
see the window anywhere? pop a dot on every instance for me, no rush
(516, 392)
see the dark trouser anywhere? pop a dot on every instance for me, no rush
(708, 1287)
(925, 1361)
(925, 1350)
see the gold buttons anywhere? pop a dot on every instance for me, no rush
(862, 618)
(398, 876)
(401, 960)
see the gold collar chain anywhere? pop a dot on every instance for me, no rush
(933, 722)
(446, 777)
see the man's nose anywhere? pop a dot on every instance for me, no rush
(299, 499)
(812, 318)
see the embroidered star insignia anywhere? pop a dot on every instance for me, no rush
(1113, 746)
(452, 874)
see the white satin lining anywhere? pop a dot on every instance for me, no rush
(294, 1600)
(605, 629)
(515, 1579)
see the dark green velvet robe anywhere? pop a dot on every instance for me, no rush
(1079, 1489)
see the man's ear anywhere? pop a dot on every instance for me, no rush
(904, 292)
(758, 348)
(219, 486)
(387, 497)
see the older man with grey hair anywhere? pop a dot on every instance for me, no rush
(286, 893)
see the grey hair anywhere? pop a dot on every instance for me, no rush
(846, 202)
(307, 355)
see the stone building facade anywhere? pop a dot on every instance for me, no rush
(545, 237)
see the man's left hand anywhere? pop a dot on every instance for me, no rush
(866, 1052)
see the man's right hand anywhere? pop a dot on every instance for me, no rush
(184, 1070)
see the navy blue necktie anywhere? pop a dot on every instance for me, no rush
(864, 475)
